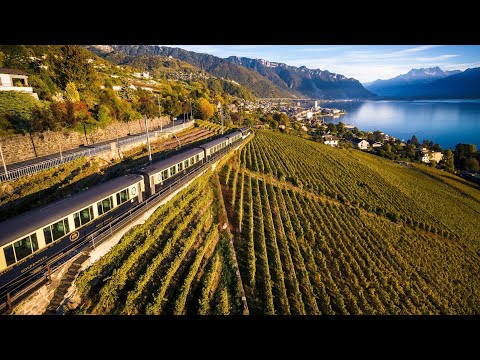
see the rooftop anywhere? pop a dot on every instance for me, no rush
(13, 71)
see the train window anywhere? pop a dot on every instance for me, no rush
(105, 205)
(22, 248)
(9, 255)
(56, 231)
(173, 170)
(83, 216)
(59, 229)
(197, 158)
(180, 167)
(33, 238)
(164, 174)
(122, 196)
(186, 163)
(47, 232)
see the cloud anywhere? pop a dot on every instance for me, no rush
(319, 49)
(416, 49)
(463, 66)
(436, 58)
(249, 47)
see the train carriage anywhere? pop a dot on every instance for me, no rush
(162, 173)
(245, 132)
(214, 146)
(234, 137)
(30, 239)
(33, 239)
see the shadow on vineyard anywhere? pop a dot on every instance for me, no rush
(319, 230)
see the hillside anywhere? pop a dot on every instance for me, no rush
(263, 78)
(216, 66)
(163, 67)
(339, 232)
(316, 84)
(343, 232)
(430, 83)
(79, 90)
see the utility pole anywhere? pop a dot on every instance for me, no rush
(148, 139)
(160, 113)
(3, 161)
(219, 107)
(191, 109)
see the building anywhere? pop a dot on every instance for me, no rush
(15, 80)
(316, 104)
(375, 144)
(428, 156)
(330, 140)
(309, 114)
(359, 143)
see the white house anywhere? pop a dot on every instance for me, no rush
(15, 80)
(330, 140)
(360, 143)
(375, 144)
(429, 156)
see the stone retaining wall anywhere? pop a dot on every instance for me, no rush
(25, 147)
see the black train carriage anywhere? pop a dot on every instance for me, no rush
(29, 240)
(162, 173)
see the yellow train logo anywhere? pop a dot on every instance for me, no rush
(74, 236)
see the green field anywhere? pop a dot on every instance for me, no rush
(316, 230)
(320, 230)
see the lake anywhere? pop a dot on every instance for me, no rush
(447, 122)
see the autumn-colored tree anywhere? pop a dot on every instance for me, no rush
(206, 109)
(71, 93)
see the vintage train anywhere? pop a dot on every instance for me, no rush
(30, 240)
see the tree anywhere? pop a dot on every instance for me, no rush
(471, 165)
(73, 66)
(206, 109)
(449, 161)
(71, 93)
(414, 140)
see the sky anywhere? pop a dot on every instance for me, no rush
(362, 62)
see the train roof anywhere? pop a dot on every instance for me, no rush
(160, 165)
(30, 221)
(233, 134)
(244, 129)
(212, 143)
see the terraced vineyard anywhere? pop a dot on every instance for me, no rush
(178, 262)
(319, 230)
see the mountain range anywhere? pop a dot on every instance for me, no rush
(317, 84)
(429, 83)
(263, 78)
